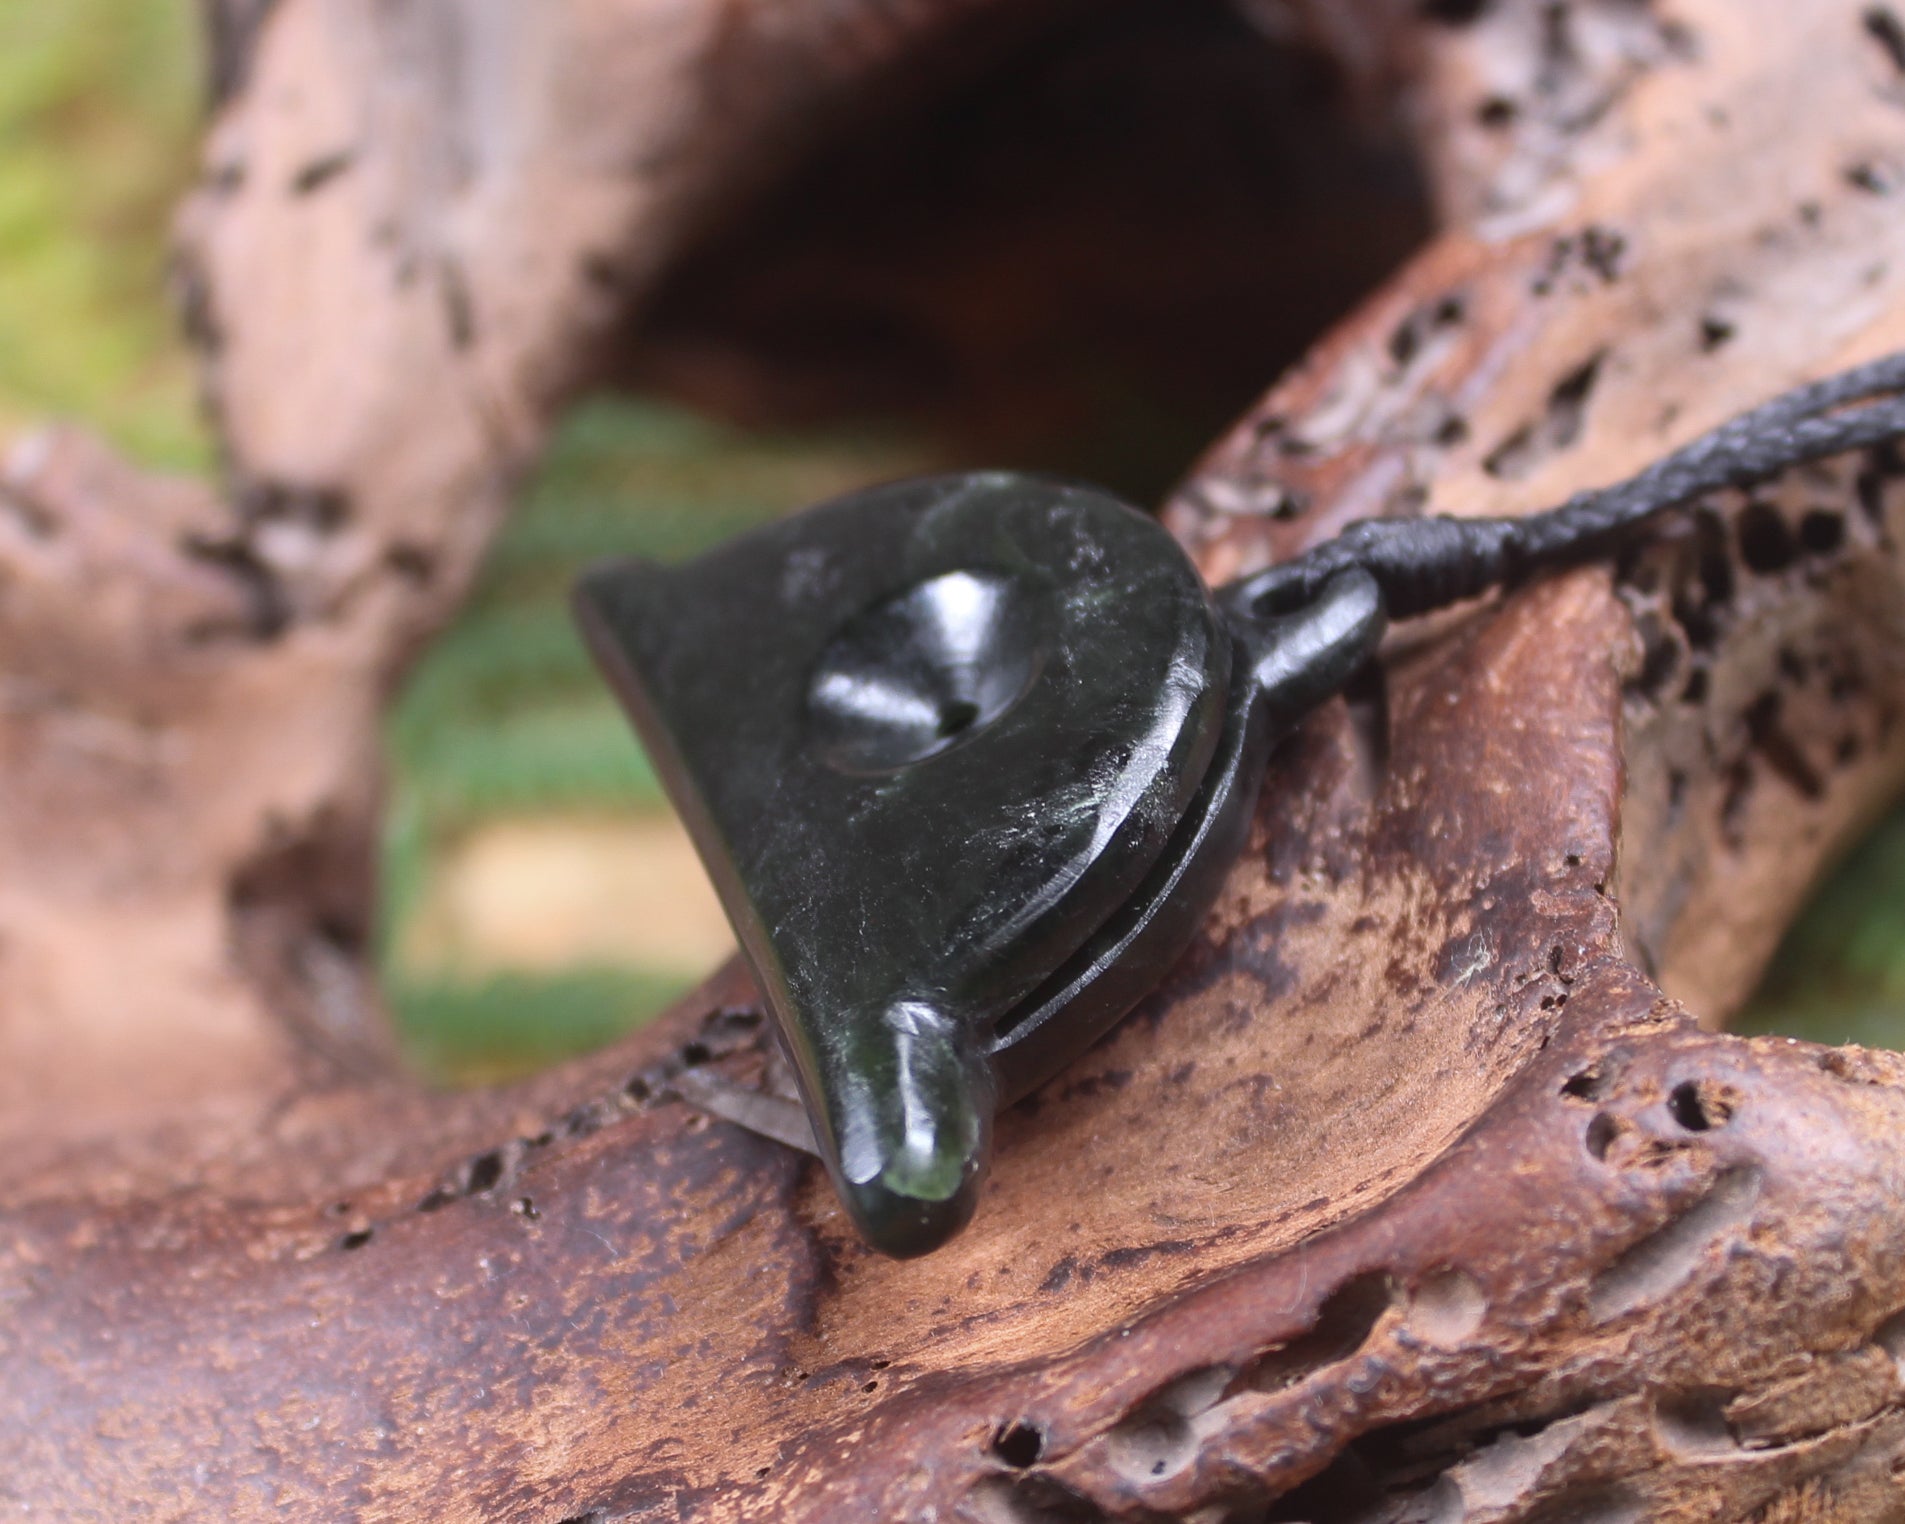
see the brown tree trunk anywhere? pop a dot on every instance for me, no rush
(1421, 1190)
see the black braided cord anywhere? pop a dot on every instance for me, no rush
(1429, 563)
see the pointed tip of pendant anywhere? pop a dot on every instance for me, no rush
(905, 1226)
(912, 1146)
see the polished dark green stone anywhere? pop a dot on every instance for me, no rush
(931, 739)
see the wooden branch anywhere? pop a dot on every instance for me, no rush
(1415, 1193)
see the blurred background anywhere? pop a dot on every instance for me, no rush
(539, 898)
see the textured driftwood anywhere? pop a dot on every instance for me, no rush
(1415, 1194)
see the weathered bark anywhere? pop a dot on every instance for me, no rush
(1416, 1192)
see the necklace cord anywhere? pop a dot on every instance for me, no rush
(1429, 563)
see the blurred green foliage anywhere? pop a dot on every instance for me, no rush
(99, 114)
(478, 1031)
(1840, 973)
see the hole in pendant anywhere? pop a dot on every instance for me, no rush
(957, 717)
(924, 671)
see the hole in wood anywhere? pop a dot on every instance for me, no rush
(1158, 1439)
(1586, 1085)
(1822, 531)
(1019, 1444)
(1671, 1255)
(1343, 1325)
(484, 1171)
(1601, 1133)
(1448, 1307)
(1697, 1106)
(1766, 544)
